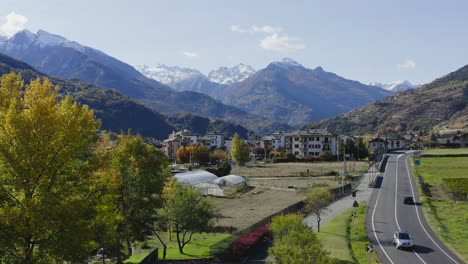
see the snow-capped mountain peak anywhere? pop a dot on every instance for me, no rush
(25, 38)
(225, 75)
(396, 86)
(168, 74)
(286, 63)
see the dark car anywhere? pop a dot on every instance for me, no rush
(408, 199)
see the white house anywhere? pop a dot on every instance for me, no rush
(311, 142)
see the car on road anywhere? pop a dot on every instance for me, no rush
(408, 199)
(402, 240)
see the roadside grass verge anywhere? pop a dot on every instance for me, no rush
(358, 236)
(447, 218)
(434, 169)
(446, 151)
(198, 248)
(333, 237)
(346, 238)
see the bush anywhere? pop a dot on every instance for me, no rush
(244, 244)
(223, 170)
(457, 187)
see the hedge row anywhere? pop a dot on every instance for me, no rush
(243, 245)
(457, 187)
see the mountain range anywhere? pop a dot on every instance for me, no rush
(121, 113)
(396, 86)
(57, 56)
(286, 91)
(439, 104)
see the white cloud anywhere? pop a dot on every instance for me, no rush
(14, 23)
(267, 29)
(408, 64)
(256, 29)
(190, 54)
(275, 40)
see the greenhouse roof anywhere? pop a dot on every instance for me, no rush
(195, 177)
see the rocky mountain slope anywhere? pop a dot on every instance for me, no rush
(441, 103)
(55, 55)
(118, 112)
(288, 92)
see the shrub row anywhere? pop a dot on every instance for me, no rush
(457, 187)
(243, 245)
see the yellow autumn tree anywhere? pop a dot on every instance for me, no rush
(46, 206)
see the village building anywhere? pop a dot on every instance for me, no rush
(311, 142)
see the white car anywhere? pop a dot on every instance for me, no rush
(402, 240)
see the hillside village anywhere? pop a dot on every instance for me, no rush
(312, 143)
(251, 132)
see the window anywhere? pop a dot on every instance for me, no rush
(317, 153)
(318, 138)
(296, 146)
(296, 139)
(296, 153)
(317, 146)
(326, 139)
(311, 146)
(311, 139)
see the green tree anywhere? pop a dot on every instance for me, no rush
(317, 201)
(361, 149)
(136, 173)
(294, 242)
(187, 212)
(200, 154)
(239, 152)
(47, 204)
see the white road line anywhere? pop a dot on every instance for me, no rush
(396, 192)
(419, 218)
(373, 213)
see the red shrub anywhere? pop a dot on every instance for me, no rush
(242, 244)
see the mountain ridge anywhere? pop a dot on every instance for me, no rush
(105, 71)
(440, 103)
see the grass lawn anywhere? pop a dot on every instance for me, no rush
(446, 151)
(447, 218)
(198, 248)
(333, 237)
(343, 246)
(358, 235)
(434, 169)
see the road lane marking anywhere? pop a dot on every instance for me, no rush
(373, 213)
(396, 190)
(396, 194)
(417, 213)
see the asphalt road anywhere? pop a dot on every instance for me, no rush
(387, 214)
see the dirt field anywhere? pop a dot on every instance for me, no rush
(251, 207)
(271, 193)
(296, 182)
(297, 169)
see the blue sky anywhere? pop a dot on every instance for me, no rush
(368, 40)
